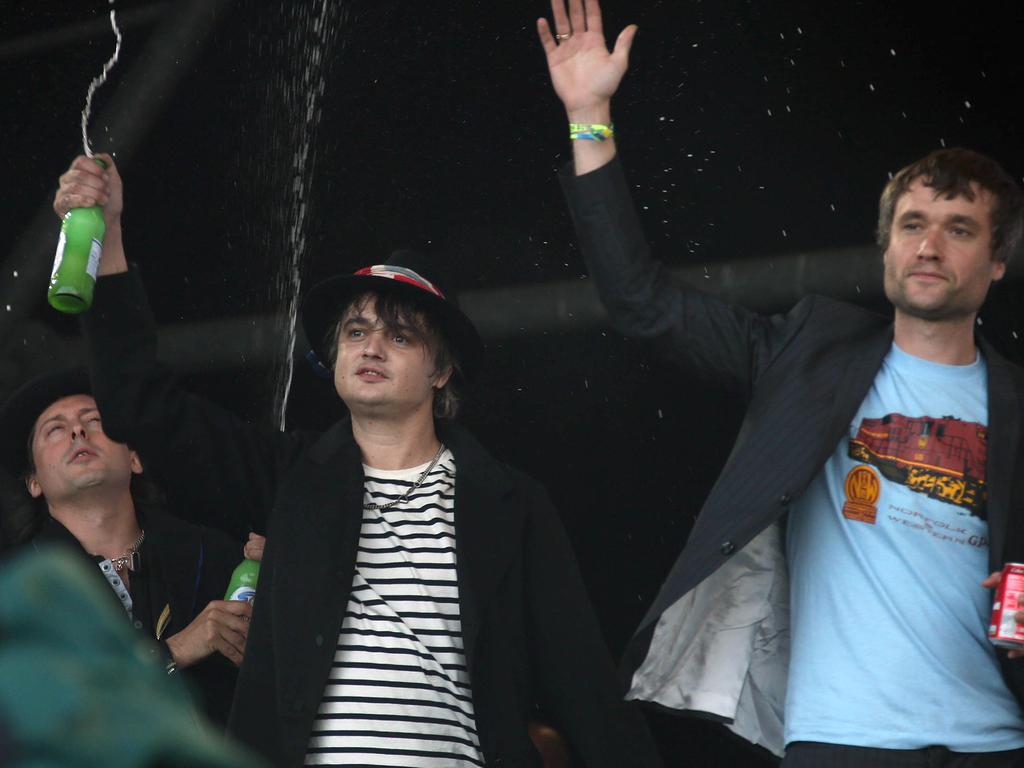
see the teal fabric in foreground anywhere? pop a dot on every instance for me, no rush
(79, 688)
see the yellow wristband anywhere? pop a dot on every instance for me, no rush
(591, 131)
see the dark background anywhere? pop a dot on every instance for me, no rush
(751, 131)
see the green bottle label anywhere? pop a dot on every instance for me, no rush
(243, 581)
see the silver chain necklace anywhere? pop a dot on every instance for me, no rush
(384, 507)
(130, 559)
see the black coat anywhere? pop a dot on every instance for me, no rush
(183, 567)
(529, 632)
(818, 361)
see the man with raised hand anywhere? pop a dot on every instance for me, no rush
(418, 600)
(855, 633)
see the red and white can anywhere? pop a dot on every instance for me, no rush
(1004, 630)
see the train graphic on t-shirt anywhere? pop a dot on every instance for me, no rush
(943, 458)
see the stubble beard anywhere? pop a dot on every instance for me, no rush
(949, 307)
(945, 311)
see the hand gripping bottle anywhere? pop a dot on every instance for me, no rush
(243, 581)
(77, 259)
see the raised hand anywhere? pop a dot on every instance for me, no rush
(85, 184)
(583, 72)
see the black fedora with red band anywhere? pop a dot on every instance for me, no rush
(406, 272)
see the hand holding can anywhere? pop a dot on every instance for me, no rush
(1006, 629)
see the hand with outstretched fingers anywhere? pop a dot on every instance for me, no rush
(222, 628)
(584, 73)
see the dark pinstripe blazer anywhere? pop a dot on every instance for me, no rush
(804, 374)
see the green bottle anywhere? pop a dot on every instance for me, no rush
(78, 258)
(243, 581)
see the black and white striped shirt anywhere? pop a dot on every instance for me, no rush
(398, 693)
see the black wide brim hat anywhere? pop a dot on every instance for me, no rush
(18, 415)
(407, 273)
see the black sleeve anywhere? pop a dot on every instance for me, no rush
(719, 342)
(214, 467)
(574, 673)
(213, 679)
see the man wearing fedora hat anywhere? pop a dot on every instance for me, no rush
(418, 600)
(85, 492)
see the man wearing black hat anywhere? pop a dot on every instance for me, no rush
(417, 599)
(86, 492)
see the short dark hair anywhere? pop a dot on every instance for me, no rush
(399, 313)
(950, 173)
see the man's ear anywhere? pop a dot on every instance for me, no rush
(442, 378)
(34, 489)
(998, 270)
(135, 463)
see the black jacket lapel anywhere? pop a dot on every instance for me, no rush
(866, 359)
(315, 527)
(1004, 412)
(487, 530)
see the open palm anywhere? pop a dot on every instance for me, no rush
(583, 72)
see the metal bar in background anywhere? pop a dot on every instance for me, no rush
(765, 284)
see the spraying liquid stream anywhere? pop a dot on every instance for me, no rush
(312, 85)
(99, 80)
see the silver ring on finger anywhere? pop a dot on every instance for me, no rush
(564, 37)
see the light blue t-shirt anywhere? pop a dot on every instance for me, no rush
(887, 551)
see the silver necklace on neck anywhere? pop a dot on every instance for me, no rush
(384, 507)
(130, 559)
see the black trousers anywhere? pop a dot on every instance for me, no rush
(813, 754)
